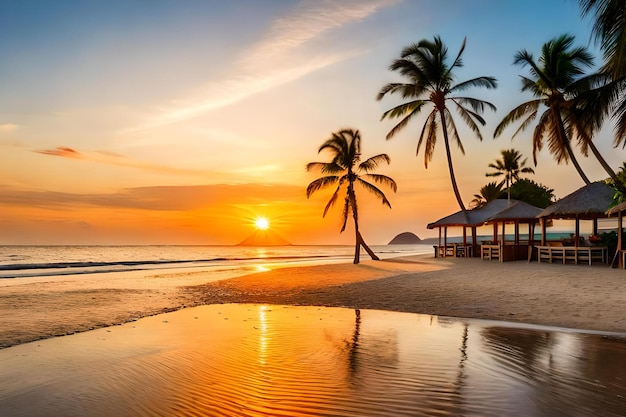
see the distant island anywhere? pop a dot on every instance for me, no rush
(406, 238)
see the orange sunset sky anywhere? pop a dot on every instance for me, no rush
(159, 122)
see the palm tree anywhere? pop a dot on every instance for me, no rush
(430, 81)
(346, 170)
(511, 166)
(609, 30)
(558, 86)
(489, 192)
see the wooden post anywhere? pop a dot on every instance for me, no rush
(543, 231)
(439, 245)
(445, 240)
(577, 231)
(474, 242)
(619, 238)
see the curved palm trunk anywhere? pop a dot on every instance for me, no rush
(568, 148)
(359, 241)
(606, 166)
(455, 188)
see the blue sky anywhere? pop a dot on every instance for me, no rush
(108, 97)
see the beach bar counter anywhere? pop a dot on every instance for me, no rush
(498, 213)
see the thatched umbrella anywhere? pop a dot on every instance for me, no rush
(501, 210)
(587, 203)
(517, 212)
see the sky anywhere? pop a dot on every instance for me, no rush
(161, 122)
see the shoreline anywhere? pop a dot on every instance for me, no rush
(576, 297)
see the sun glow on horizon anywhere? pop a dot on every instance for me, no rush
(262, 223)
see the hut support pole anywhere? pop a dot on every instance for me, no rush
(438, 251)
(474, 242)
(445, 241)
(577, 232)
(495, 232)
(517, 232)
(543, 231)
(531, 240)
(619, 239)
(595, 226)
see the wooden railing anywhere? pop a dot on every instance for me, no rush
(576, 254)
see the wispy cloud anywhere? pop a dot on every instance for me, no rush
(272, 61)
(8, 127)
(116, 159)
(170, 198)
(62, 151)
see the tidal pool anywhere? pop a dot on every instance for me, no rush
(259, 360)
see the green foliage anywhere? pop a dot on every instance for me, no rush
(488, 192)
(532, 193)
(618, 197)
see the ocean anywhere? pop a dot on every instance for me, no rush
(38, 261)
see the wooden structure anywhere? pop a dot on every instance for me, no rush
(496, 212)
(590, 202)
(620, 254)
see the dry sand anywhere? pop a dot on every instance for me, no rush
(573, 296)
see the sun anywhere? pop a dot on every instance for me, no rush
(262, 223)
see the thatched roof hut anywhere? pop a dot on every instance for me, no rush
(495, 210)
(589, 202)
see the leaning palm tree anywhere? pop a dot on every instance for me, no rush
(511, 166)
(556, 83)
(346, 170)
(489, 192)
(430, 81)
(609, 30)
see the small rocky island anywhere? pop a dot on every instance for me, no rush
(406, 238)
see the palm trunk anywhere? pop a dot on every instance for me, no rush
(568, 148)
(606, 166)
(359, 241)
(576, 164)
(455, 188)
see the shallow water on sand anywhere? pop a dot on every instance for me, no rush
(255, 360)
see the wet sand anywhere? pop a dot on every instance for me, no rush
(572, 296)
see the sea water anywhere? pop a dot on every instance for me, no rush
(32, 261)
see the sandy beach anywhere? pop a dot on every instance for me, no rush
(571, 296)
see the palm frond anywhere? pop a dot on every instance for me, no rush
(452, 131)
(404, 109)
(374, 190)
(476, 104)
(402, 124)
(332, 200)
(345, 213)
(431, 138)
(320, 183)
(515, 114)
(372, 163)
(384, 180)
(484, 82)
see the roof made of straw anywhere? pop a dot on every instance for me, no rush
(495, 210)
(591, 201)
